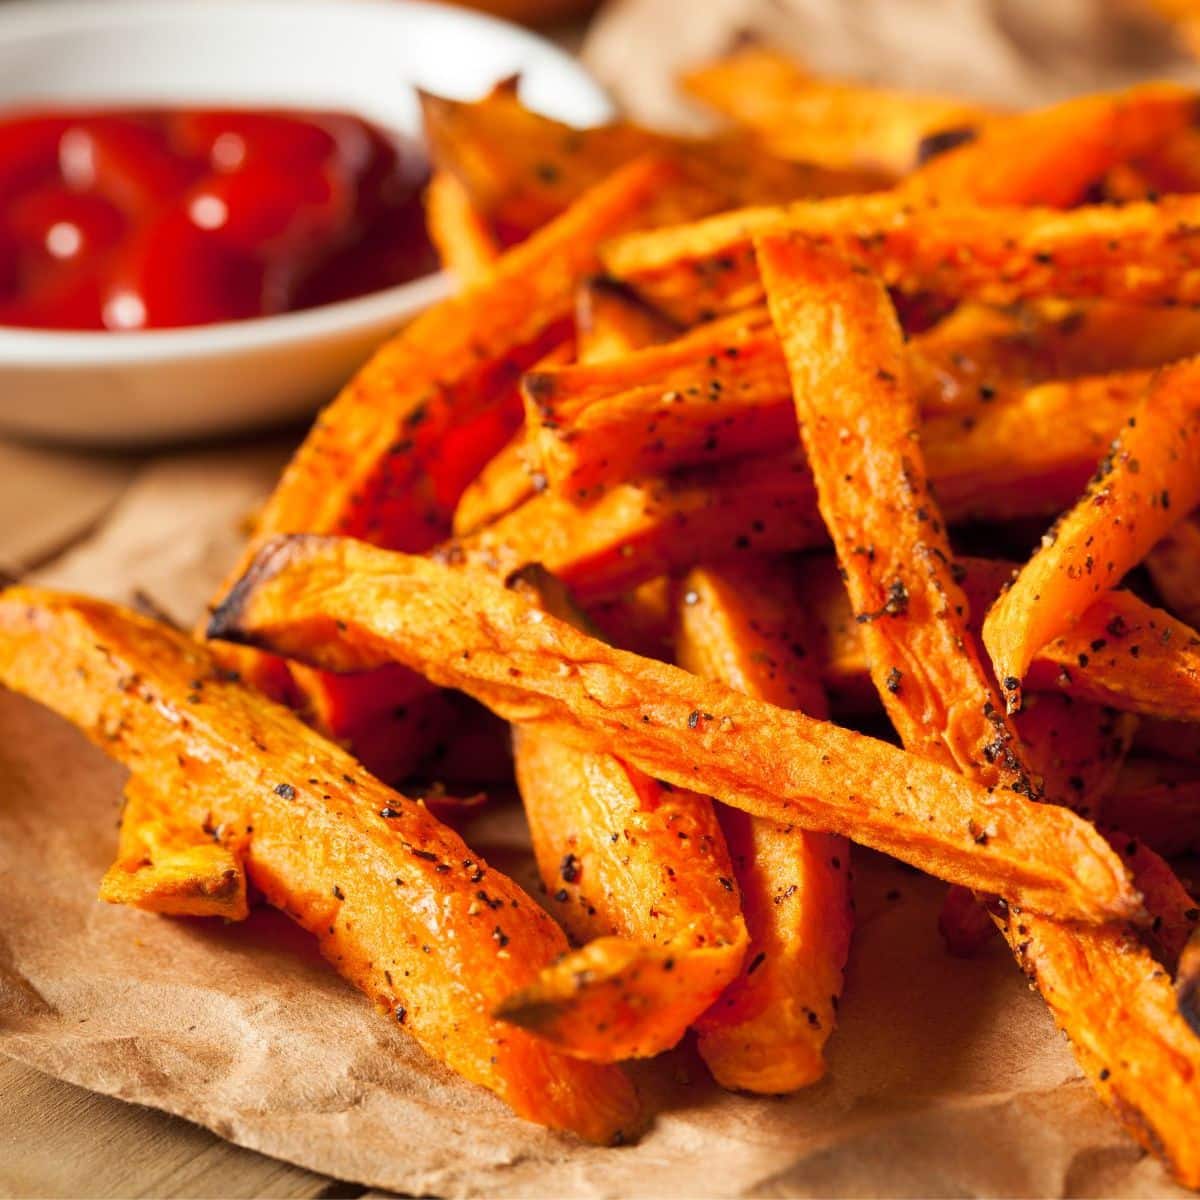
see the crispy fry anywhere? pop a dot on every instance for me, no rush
(1041, 442)
(635, 531)
(1116, 1004)
(611, 321)
(463, 629)
(1078, 749)
(858, 422)
(166, 865)
(389, 459)
(507, 479)
(465, 244)
(978, 351)
(391, 894)
(741, 625)
(1174, 566)
(622, 854)
(521, 169)
(722, 392)
(1139, 253)
(828, 121)
(1052, 156)
(1122, 653)
(1150, 476)
(504, 483)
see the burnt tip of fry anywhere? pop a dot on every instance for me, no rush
(1187, 983)
(227, 621)
(934, 144)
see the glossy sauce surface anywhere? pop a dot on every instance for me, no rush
(151, 219)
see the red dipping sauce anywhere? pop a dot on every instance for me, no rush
(151, 219)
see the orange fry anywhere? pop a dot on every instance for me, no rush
(740, 625)
(1151, 475)
(639, 871)
(465, 244)
(611, 321)
(352, 606)
(1053, 155)
(1141, 253)
(390, 457)
(858, 422)
(521, 169)
(167, 865)
(1117, 1006)
(828, 121)
(392, 895)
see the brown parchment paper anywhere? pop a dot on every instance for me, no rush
(946, 1078)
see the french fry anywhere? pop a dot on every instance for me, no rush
(732, 399)
(640, 872)
(392, 896)
(843, 348)
(634, 532)
(740, 624)
(1078, 749)
(828, 121)
(465, 630)
(465, 244)
(521, 170)
(1116, 1005)
(1122, 653)
(507, 479)
(1044, 441)
(504, 483)
(1136, 496)
(1174, 566)
(978, 350)
(389, 459)
(166, 865)
(858, 422)
(1138, 253)
(611, 321)
(1053, 155)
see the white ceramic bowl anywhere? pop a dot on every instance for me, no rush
(366, 56)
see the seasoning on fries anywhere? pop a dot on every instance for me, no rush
(597, 492)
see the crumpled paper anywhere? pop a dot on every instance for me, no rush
(946, 1078)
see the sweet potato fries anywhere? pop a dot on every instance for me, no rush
(597, 492)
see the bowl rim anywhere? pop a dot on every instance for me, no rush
(30, 347)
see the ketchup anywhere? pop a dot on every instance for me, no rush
(128, 219)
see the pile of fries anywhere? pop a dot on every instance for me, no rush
(876, 411)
